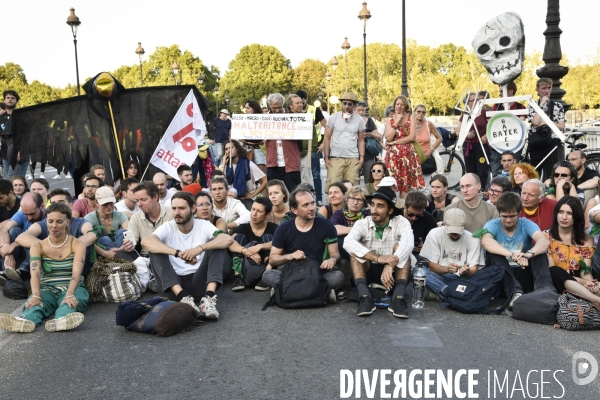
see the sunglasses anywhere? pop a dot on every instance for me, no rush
(411, 215)
(376, 171)
(347, 103)
(557, 175)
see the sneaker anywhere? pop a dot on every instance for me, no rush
(238, 284)
(332, 298)
(55, 177)
(261, 286)
(515, 296)
(12, 274)
(209, 307)
(28, 177)
(366, 306)
(189, 300)
(398, 307)
(152, 285)
(66, 323)
(68, 176)
(10, 323)
(42, 176)
(3, 278)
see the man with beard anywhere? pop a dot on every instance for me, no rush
(536, 207)
(452, 251)
(283, 156)
(15, 258)
(164, 195)
(231, 210)
(243, 174)
(508, 241)
(306, 237)
(189, 257)
(151, 216)
(9, 203)
(83, 207)
(344, 143)
(588, 178)
(184, 172)
(380, 247)
(9, 137)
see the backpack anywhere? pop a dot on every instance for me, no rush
(473, 295)
(576, 313)
(372, 147)
(301, 286)
(157, 316)
(445, 134)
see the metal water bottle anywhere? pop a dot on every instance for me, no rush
(418, 273)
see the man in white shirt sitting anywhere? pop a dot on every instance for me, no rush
(231, 210)
(128, 204)
(181, 269)
(164, 195)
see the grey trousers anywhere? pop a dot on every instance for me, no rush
(215, 267)
(334, 279)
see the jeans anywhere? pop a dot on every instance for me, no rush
(495, 164)
(305, 172)
(215, 267)
(108, 243)
(52, 304)
(218, 150)
(315, 166)
(436, 282)
(21, 254)
(534, 277)
(10, 172)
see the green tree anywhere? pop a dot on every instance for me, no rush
(308, 76)
(256, 71)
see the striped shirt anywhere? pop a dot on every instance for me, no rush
(59, 279)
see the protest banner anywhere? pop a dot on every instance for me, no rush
(179, 144)
(506, 132)
(272, 126)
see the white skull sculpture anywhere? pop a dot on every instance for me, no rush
(500, 46)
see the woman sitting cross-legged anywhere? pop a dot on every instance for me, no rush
(344, 220)
(571, 250)
(56, 279)
(257, 230)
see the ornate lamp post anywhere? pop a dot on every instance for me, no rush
(346, 47)
(364, 15)
(200, 79)
(74, 22)
(140, 52)
(334, 64)
(176, 71)
(404, 83)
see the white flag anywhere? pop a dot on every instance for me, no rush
(179, 144)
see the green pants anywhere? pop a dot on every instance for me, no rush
(52, 304)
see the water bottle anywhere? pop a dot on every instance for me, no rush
(418, 273)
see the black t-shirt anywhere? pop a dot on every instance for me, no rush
(587, 175)
(422, 226)
(319, 116)
(5, 213)
(312, 242)
(246, 230)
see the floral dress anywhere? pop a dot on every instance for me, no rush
(403, 162)
(568, 257)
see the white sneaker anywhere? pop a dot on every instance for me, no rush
(42, 176)
(66, 323)
(10, 323)
(209, 307)
(189, 300)
(57, 176)
(68, 176)
(28, 177)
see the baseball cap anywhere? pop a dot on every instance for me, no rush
(105, 195)
(387, 181)
(455, 220)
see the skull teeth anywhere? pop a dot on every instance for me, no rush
(503, 67)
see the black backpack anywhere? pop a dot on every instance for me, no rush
(301, 286)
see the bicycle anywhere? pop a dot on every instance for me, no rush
(454, 165)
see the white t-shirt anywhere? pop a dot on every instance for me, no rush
(166, 201)
(440, 249)
(121, 206)
(280, 159)
(201, 233)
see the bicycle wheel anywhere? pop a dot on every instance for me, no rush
(454, 169)
(593, 162)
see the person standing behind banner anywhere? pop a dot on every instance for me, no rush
(283, 156)
(296, 106)
(536, 155)
(258, 156)
(222, 134)
(401, 157)
(317, 155)
(475, 160)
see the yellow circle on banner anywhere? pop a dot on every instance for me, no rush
(481, 160)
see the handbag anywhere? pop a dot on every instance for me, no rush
(429, 166)
(113, 281)
(419, 151)
(577, 314)
(372, 147)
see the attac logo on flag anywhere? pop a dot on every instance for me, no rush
(179, 144)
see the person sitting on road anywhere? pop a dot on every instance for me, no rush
(278, 194)
(41, 187)
(257, 230)
(87, 204)
(498, 185)
(189, 258)
(507, 160)
(478, 212)
(184, 172)
(14, 258)
(344, 220)
(508, 241)
(380, 246)
(564, 182)
(378, 172)
(335, 199)
(306, 236)
(164, 194)
(439, 197)
(204, 210)
(536, 208)
(231, 210)
(421, 222)
(571, 250)
(9, 202)
(127, 205)
(451, 251)
(520, 173)
(57, 284)
(243, 174)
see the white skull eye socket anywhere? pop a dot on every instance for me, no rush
(483, 49)
(504, 41)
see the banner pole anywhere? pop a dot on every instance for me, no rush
(112, 118)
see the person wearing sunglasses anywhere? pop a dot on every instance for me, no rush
(429, 138)
(563, 182)
(401, 156)
(420, 220)
(344, 220)
(344, 143)
(377, 173)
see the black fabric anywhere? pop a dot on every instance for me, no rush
(5, 213)
(252, 271)
(222, 129)
(311, 242)
(302, 285)
(587, 175)
(540, 307)
(246, 230)
(431, 206)
(52, 132)
(16, 290)
(422, 226)
(429, 166)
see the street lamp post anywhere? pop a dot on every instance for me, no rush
(140, 52)
(346, 47)
(404, 84)
(327, 78)
(175, 69)
(364, 15)
(200, 80)
(334, 64)
(227, 101)
(74, 22)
